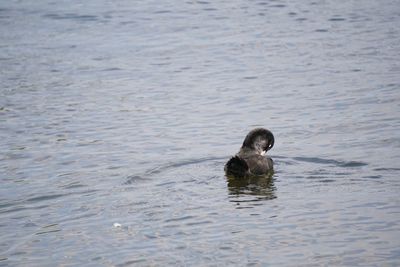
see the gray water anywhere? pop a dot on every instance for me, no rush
(123, 112)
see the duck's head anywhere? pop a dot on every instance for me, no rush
(261, 140)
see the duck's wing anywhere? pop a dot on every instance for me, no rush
(237, 167)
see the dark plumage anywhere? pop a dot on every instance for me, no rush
(251, 159)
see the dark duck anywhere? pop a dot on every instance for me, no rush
(251, 159)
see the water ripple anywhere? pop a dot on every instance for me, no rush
(331, 161)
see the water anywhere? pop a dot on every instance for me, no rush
(122, 112)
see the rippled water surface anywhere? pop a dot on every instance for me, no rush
(117, 117)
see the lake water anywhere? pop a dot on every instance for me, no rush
(117, 117)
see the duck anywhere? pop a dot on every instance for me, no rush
(251, 160)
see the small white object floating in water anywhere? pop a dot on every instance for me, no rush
(117, 225)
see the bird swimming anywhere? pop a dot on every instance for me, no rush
(251, 158)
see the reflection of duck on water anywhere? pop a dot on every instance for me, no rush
(253, 185)
(251, 159)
